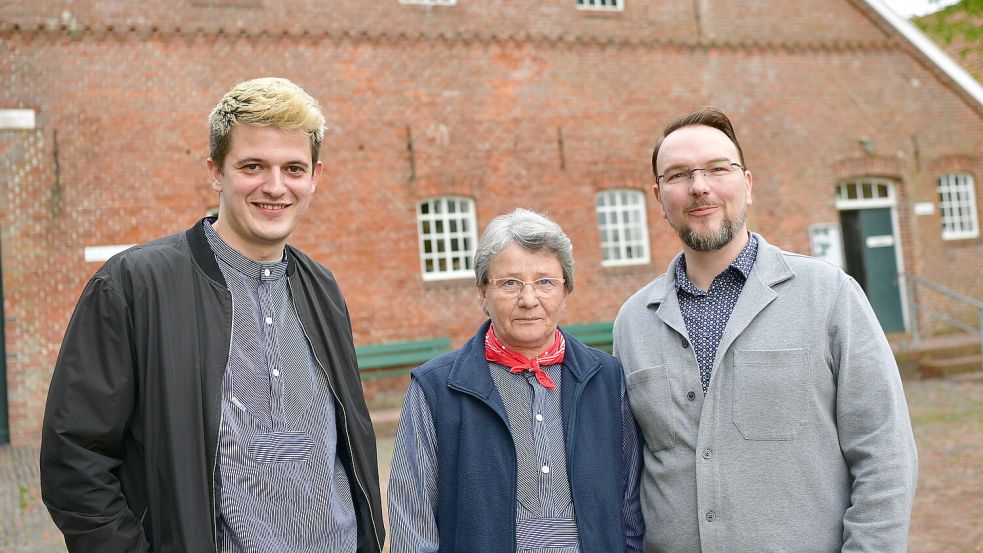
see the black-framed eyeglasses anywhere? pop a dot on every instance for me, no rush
(512, 287)
(712, 170)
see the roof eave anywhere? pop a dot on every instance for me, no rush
(930, 50)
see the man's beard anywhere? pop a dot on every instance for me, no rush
(711, 241)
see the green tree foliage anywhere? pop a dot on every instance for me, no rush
(960, 24)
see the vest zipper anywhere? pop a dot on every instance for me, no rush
(572, 433)
(515, 457)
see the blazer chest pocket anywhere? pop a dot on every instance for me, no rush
(651, 403)
(769, 393)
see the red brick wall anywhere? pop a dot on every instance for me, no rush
(485, 88)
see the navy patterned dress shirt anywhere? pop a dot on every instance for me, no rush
(706, 313)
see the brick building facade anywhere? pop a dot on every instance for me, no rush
(493, 103)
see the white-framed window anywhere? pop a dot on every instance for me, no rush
(429, 2)
(957, 204)
(448, 236)
(624, 227)
(601, 5)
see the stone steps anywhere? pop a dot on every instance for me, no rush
(938, 356)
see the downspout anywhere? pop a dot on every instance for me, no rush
(4, 418)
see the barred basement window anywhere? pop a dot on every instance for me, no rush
(957, 203)
(448, 237)
(601, 5)
(624, 228)
(429, 2)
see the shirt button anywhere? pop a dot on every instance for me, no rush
(685, 343)
(266, 272)
(539, 417)
(269, 320)
(691, 395)
(707, 454)
(546, 469)
(276, 372)
(711, 516)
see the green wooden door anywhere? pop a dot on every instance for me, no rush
(868, 238)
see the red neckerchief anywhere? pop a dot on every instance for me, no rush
(517, 363)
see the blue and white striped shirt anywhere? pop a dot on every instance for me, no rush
(545, 513)
(283, 487)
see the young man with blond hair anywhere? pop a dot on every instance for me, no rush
(206, 396)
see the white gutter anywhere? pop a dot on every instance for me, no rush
(931, 50)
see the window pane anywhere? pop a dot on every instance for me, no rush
(622, 227)
(446, 237)
(957, 206)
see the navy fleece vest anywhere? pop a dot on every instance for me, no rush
(476, 485)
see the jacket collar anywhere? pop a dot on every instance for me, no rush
(470, 370)
(770, 268)
(204, 257)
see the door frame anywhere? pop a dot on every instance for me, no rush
(882, 193)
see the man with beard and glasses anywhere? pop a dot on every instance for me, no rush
(770, 404)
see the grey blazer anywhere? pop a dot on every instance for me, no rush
(803, 441)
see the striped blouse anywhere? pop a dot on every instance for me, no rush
(283, 487)
(546, 518)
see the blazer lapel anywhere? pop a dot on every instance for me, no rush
(769, 269)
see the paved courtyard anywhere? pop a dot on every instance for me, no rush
(947, 416)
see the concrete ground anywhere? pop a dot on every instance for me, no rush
(947, 415)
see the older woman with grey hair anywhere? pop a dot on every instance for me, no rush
(522, 440)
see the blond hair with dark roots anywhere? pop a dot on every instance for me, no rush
(264, 102)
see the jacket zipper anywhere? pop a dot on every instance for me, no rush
(310, 344)
(221, 421)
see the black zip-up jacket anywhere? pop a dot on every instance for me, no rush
(130, 438)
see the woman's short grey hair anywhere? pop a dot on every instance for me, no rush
(528, 229)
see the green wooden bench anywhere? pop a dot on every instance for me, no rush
(595, 335)
(397, 358)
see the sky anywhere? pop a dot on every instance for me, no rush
(910, 8)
